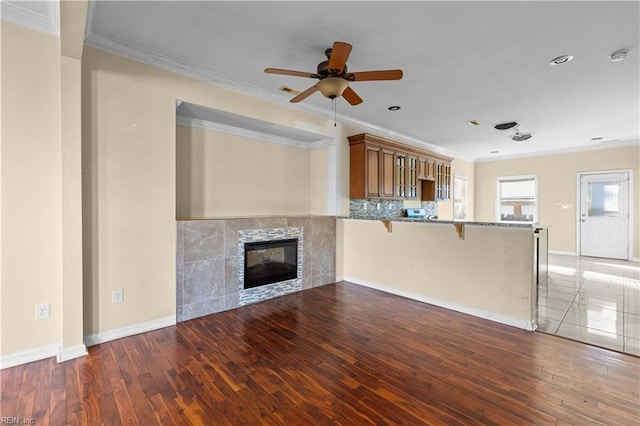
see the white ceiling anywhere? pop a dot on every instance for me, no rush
(485, 61)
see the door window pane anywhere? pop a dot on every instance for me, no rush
(603, 199)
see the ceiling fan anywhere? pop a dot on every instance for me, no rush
(334, 78)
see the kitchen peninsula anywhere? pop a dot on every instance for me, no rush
(484, 269)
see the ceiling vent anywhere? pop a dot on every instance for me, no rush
(505, 126)
(289, 90)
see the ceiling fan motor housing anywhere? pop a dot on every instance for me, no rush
(323, 70)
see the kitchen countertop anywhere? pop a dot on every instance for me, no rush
(448, 222)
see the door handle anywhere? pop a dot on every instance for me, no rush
(583, 220)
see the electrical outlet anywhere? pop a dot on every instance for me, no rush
(117, 296)
(42, 311)
(412, 268)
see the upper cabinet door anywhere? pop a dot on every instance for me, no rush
(372, 171)
(387, 174)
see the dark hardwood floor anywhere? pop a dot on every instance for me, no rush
(338, 354)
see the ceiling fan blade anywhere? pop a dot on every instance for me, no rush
(351, 96)
(311, 90)
(290, 72)
(339, 55)
(374, 75)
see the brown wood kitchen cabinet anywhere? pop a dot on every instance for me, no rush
(438, 189)
(380, 168)
(375, 177)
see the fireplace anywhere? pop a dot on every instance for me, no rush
(273, 252)
(267, 262)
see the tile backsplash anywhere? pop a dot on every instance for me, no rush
(385, 209)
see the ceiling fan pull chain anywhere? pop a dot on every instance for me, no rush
(333, 101)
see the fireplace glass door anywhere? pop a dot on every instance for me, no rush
(268, 262)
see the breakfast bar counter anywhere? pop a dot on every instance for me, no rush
(484, 269)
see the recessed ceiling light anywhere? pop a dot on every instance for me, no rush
(561, 60)
(473, 123)
(619, 55)
(597, 139)
(393, 108)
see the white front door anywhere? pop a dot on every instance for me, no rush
(604, 215)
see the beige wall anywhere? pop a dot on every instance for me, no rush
(129, 181)
(221, 175)
(31, 188)
(557, 184)
(488, 274)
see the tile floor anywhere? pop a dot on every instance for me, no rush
(592, 300)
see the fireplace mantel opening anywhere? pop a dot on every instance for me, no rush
(267, 262)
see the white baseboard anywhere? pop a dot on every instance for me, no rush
(339, 278)
(565, 253)
(30, 355)
(106, 336)
(526, 325)
(73, 352)
(635, 259)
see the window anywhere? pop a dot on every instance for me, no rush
(517, 198)
(460, 201)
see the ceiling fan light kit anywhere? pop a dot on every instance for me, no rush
(332, 87)
(333, 76)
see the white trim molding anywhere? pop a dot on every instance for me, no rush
(130, 330)
(491, 316)
(73, 352)
(30, 355)
(18, 14)
(251, 134)
(121, 48)
(559, 151)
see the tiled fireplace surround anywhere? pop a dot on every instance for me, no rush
(207, 263)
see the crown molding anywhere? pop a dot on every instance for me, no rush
(121, 48)
(250, 134)
(25, 17)
(599, 147)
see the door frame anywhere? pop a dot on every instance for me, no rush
(631, 211)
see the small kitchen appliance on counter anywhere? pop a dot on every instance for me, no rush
(415, 213)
